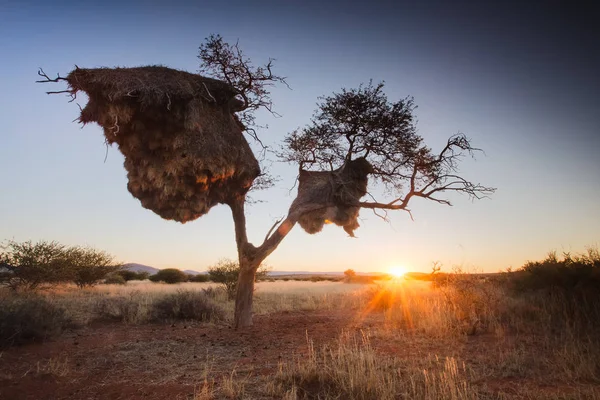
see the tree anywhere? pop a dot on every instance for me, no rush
(349, 274)
(169, 275)
(226, 272)
(31, 266)
(89, 266)
(356, 127)
(356, 138)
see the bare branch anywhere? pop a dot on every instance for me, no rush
(271, 230)
(48, 79)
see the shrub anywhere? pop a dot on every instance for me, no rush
(349, 275)
(115, 279)
(30, 318)
(568, 289)
(226, 273)
(199, 278)
(570, 274)
(134, 308)
(133, 276)
(30, 266)
(187, 305)
(169, 275)
(89, 266)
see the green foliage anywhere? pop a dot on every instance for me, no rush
(169, 275)
(115, 279)
(570, 274)
(568, 288)
(199, 278)
(187, 305)
(226, 273)
(30, 266)
(133, 276)
(30, 318)
(90, 266)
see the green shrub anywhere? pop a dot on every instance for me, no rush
(133, 276)
(115, 279)
(169, 275)
(34, 266)
(90, 266)
(30, 318)
(31, 266)
(567, 289)
(570, 274)
(187, 305)
(199, 278)
(226, 273)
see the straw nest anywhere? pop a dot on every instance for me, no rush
(183, 145)
(335, 191)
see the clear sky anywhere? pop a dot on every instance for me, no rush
(520, 79)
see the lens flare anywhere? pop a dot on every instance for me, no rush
(397, 271)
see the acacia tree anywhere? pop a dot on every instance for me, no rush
(354, 126)
(357, 140)
(90, 266)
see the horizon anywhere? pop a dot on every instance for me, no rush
(519, 79)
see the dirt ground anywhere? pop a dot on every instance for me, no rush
(120, 361)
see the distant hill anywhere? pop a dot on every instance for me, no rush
(193, 272)
(135, 267)
(332, 273)
(140, 268)
(151, 270)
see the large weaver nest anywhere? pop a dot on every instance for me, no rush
(184, 147)
(336, 191)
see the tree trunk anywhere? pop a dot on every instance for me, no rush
(250, 257)
(244, 295)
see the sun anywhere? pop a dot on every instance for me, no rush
(397, 271)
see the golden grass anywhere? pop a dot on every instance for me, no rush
(403, 340)
(351, 369)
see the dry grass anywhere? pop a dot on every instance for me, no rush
(351, 369)
(470, 339)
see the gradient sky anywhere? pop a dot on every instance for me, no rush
(521, 80)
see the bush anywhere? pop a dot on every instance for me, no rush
(115, 279)
(199, 278)
(133, 276)
(30, 266)
(30, 318)
(226, 273)
(572, 274)
(349, 275)
(568, 289)
(134, 308)
(169, 275)
(89, 266)
(187, 305)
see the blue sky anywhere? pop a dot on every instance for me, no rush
(521, 81)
